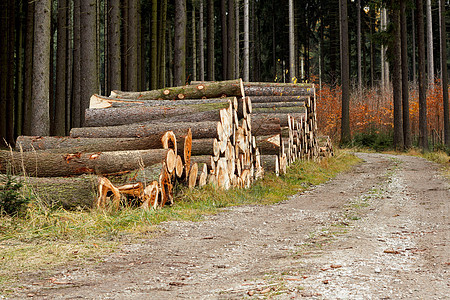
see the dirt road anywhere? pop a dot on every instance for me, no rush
(380, 231)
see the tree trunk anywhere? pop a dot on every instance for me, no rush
(237, 47)
(76, 77)
(231, 28)
(132, 50)
(201, 41)
(210, 39)
(180, 43)
(28, 69)
(47, 164)
(430, 56)
(154, 46)
(405, 89)
(114, 60)
(142, 113)
(206, 90)
(246, 42)
(194, 45)
(3, 68)
(40, 118)
(444, 77)
(292, 60)
(223, 17)
(162, 45)
(413, 46)
(61, 66)
(358, 41)
(345, 74)
(88, 66)
(423, 134)
(10, 93)
(395, 53)
(205, 129)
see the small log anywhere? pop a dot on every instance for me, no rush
(279, 109)
(193, 175)
(165, 184)
(44, 164)
(251, 91)
(171, 161)
(206, 129)
(179, 167)
(138, 113)
(151, 193)
(169, 141)
(199, 91)
(187, 151)
(203, 176)
(266, 126)
(258, 118)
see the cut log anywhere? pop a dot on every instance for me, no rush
(179, 167)
(70, 193)
(171, 161)
(203, 176)
(206, 129)
(138, 113)
(187, 151)
(275, 99)
(251, 91)
(169, 141)
(279, 109)
(277, 105)
(151, 193)
(44, 164)
(270, 163)
(193, 175)
(203, 90)
(201, 159)
(258, 118)
(165, 184)
(266, 126)
(98, 101)
(268, 144)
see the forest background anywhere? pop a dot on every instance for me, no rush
(54, 54)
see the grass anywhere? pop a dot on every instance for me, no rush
(46, 238)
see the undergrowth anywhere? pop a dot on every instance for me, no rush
(45, 237)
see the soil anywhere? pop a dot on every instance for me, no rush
(380, 231)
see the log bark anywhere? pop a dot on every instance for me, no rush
(137, 114)
(268, 144)
(279, 109)
(66, 144)
(270, 99)
(206, 129)
(278, 105)
(70, 193)
(199, 91)
(277, 91)
(258, 118)
(45, 164)
(98, 101)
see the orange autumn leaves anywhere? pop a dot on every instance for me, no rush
(372, 109)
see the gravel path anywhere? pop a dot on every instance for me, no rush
(380, 231)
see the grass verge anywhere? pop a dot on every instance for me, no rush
(46, 238)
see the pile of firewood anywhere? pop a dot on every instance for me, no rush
(141, 143)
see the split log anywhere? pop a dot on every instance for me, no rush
(137, 114)
(44, 164)
(199, 91)
(206, 129)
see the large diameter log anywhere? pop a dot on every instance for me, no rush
(268, 126)
(45, 164)
(199, 147)
(206, 129)
(98, 101)
(138, 113)
(258, 118)
(70, 193)
(71, 145)
(203, 90)
(271, 99)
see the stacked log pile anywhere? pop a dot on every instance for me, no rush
(142, 143)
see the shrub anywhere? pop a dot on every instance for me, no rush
(12, 202)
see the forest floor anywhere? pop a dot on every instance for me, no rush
(379, 231)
